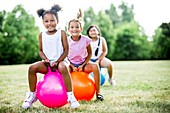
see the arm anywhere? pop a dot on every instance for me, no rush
(42, 55)
(65, 46)
(104, 49)
(89, 51)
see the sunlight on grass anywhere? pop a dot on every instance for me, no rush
(142, 87)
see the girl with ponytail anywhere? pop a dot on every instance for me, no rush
(80, 52)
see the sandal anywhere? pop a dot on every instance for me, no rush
(100, 97)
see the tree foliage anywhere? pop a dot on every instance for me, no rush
(19, 43)
(125, 37)
(89, 18)
(131, 43)
(161, 42)
(113, 14)
(127, 14)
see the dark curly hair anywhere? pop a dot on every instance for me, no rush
(54, 10)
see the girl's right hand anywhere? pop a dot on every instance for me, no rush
(74, 69)
(46, 61)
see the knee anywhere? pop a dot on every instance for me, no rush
(110, 65)
(62, 67)
(95, 66)
(32, 68)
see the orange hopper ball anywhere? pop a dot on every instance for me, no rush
(83, 85)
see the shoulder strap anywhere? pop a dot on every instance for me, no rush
(99, 42)
(96, 52)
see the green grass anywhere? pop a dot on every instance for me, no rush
(142, 87)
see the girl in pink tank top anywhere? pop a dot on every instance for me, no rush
(80, 53)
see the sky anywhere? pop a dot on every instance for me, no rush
(148, 13)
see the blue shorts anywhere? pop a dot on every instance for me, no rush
(77, 65)
(93, 60)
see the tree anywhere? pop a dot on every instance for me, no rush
(127, 14)
(2, 16)
(161, 42)
(19, 41)
(131, 43)
(112, 12)
(88, 18)
(125, 38)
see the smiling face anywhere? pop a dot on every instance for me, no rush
(75, 29)
(93, 32)
(50, 22)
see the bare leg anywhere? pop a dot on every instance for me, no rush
(109, 65)
(93, 67)
(32, 77)
(106, 63)
(63, 69)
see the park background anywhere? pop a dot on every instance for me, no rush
(126, 38)
(140, 58)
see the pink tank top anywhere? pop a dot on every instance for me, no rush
(77, 49)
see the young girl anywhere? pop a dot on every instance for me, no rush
(53, 49)
(80, 53)
(99, 51)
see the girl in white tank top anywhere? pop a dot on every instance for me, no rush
(53, 49)
(52, 46)
(94, 33)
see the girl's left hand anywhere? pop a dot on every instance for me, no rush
(80, 68)
(98, 61)
(54, 64)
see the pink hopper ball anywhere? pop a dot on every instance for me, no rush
(51, 90)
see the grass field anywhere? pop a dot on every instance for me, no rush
(142, 87)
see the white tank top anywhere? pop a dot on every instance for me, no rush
(94, 45)
(52, 45)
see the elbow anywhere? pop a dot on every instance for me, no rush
(106, 52)
(89, 55)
